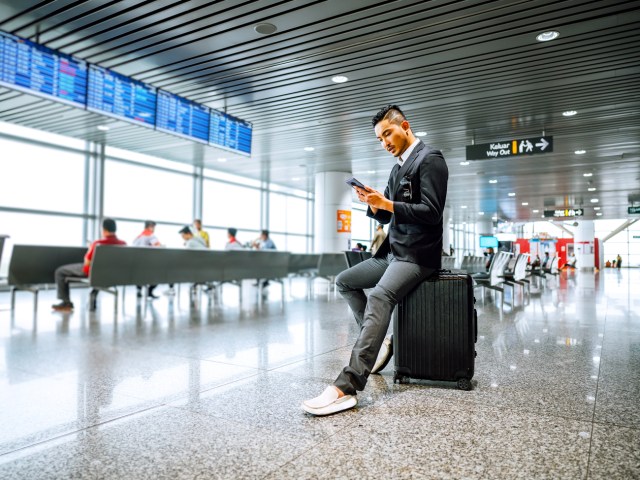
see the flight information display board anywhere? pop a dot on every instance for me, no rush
(121, 97)
(230, 133)
(183, 117)
(33, 68)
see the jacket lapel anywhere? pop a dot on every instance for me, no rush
(406, 166)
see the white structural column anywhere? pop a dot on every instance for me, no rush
(584, 245)
(332, 212)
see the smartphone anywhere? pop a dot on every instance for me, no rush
(355, 183)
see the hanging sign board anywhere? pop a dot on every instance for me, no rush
(510, 148)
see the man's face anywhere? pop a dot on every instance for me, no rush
(185, 236)
(393, 137)
(198, 225)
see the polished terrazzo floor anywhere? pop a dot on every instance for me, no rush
(212, 389)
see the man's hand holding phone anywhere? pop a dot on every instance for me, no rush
(371, 197)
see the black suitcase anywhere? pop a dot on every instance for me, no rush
(435, 330)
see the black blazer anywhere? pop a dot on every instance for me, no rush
(419, 191)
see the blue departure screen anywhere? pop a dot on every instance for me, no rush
(229, 132)
(120, 97)
(32, 68)
(182, 116)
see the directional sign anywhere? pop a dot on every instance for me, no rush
(566, 212)
(510, 148)
(635, 209)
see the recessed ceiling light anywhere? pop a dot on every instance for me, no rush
(265, 28)
(594, 200)
(339, 79)
(535, 211)
(309, 149)
(420, 134)
(569, 113)
(222, 159)
(493, 180)
(596, 208)
(480, 213)
(463, 206)
(371, 171)
(580, 152)
(494, 218)
(511, 194)
(524, 204)
(103, 128)
(587, 174)
(541, 216)
(548, 36)
(295, 179)
(599, 214)
(464, 163)
(592, 189)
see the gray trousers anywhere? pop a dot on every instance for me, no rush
(64, 272)
(390, 280)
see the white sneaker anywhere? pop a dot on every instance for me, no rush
(328, 403)
(384, 355)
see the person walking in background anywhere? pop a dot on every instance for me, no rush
(147, 239)
(82, 269)
(618, 261)
(378, 238)
(197, 224)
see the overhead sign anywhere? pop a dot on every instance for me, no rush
(567, 212)
(510, 148)
(631, 210)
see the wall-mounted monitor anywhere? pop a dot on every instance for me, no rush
(230, 133)
(33, 68)
(121, 97)
(488, 242)
(182, 117)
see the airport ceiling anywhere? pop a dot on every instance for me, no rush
(464, 72)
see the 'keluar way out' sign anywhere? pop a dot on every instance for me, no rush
(510, 148)
(566, 212)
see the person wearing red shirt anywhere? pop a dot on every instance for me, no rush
(82, 269)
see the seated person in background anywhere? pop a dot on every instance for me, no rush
(546, 261)
(357, 248)
(190, 240)
(264, 242)
(197, 224)
(608, 264)
(490, 254)
(147, 239)
(536, 263)
(571, 262)
(82, 269)
(233, 243)
(613, 264)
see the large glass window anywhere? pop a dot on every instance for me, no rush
(136, 191)
(287, 213)
(361, 226)
(41, 178)
(229, 205)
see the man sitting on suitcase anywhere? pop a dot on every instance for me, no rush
(413, 203)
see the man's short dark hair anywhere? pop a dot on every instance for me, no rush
(197, 220)
(232, 231)
(265, 233)
(186, 230)
(109, 224)
(391, 113)
(149, 224)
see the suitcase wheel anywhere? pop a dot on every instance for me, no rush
(464, 384)
(399, 378)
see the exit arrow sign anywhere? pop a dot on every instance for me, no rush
(510, 148)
